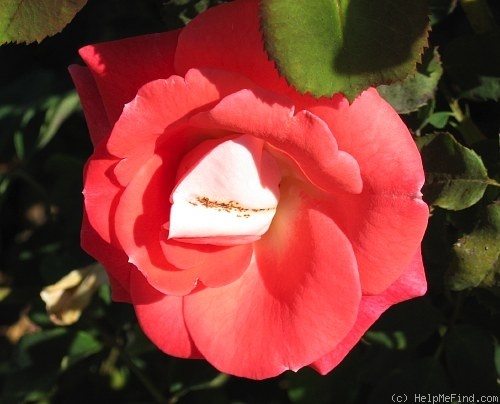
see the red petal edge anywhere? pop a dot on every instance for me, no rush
(161, 319)
(121, 67)
(411, 284)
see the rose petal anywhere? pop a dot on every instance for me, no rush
(100, 192)
(205, 41)
(146, 118)
(228, 195)
(293, 305)
(384, 230)
(209, 260)
(379, 141)
(112, 258)
(303, 137)
(95, 113)
(411, 284)
(97, 236)
(161, 319)
(388, 219)
(141, 216)
(121, 67)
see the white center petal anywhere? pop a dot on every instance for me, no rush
(227, 193)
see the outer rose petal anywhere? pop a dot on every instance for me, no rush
(305, 138)
(95, 234)
(160, 317)
(95, 113)
(380, 142)
(205, 41)
(121, 67)
(389, 218)
(97, 237)
(384, 230)
(113, 259)
(411, 284)
(295, 303)
(100, 192)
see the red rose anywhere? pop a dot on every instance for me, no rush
(249, 225)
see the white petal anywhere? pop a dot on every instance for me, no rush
(227, 192)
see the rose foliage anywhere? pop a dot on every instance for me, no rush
(249, 225)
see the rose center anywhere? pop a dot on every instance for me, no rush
(227, 193)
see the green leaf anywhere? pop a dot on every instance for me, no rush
(330, 46)
(464, 60)
(476, 255)
(456, 177)
(33, 20)
(416, 90)
(439, 119)
(83, 345)
(59, 108)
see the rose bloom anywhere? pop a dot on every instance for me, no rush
(249, 225)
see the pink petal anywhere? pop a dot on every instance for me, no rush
(235, 26)
(100, 192)
(95, 114)
(161, 319)
(121, 67)
(215, 265)
(141, 216)
(228, 195)
(97, 237)
(411, 284)
(374, 134)
(294, 304)
(384, 231)
(303, 137)
(386, 222)
(112, 258)
(160, 106)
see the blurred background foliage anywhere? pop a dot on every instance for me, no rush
(444, 342)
